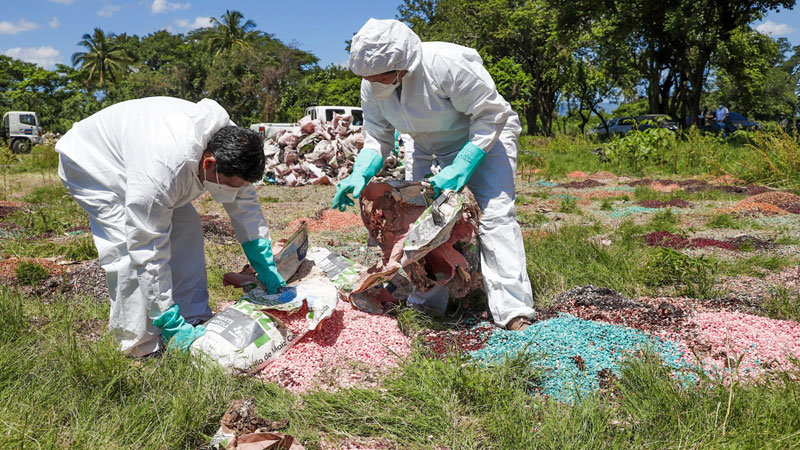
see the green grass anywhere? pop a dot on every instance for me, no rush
(53, 210)
(665, 220)
(41, 158)
(693, 275)
(756, 265)
(531, 218)
(30, 273)
(98, 398)
(59, 389)
(73, 249)
(724, 221)
(569, 206)
(784, 305)
(568, 258)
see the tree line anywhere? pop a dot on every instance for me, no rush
(669, 57)
(666, 56)
(254, 75)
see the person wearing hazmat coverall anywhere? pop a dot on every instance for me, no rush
(135, 167)
(441, 95)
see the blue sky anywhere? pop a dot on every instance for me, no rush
(46, 32)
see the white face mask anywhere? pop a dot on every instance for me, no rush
(220, 192)
(380, 90)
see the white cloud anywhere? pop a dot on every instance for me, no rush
(45, 56)
(186, 25)
(54, 23)
(7, 27)
(108, 10)
(160, 6)
(771, 28)
(63, 2)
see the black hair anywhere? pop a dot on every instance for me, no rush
(239, 153)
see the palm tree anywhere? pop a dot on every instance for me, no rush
(104, 58)
(229, 32)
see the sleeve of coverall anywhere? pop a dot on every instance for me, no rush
(246, 216)
(471, 91)
(378, 132)
(148, 222)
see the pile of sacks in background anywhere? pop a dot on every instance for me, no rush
(319, 152)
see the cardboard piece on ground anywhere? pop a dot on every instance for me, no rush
(242, 429)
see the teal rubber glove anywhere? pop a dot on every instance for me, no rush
(259, 253)
(396, 149)
(456, 175)
(368, 163)
(175, 331)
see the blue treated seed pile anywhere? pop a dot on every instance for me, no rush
(555, 343)
(624, 212)
(617, 188)
(567, 197)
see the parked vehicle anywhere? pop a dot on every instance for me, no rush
(266, 130)
(623, 125)
(21, 130)
(656, 121)
(616, 125)
(736, 121)
(325, 113)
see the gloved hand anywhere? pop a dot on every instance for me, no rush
(175, 331)
(368, 164)
(259, 253)
(456, 175)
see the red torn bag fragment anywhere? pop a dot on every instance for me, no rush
(434, 241)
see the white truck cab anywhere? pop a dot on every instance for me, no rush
(325, 113)
(21, 129)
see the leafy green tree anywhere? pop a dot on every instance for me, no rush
(523, 30)
(104, 59)
(229, 32)
(756, 76)
(333, 85)
(671, 44)
(59, 97)
(166, 64)
(249, 81)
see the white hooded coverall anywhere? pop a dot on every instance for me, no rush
(446, 99)
(134, 168)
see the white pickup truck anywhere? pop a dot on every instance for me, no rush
(21, 129)
(324, 113)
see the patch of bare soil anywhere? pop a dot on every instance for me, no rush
(86, 279)
(217, 228)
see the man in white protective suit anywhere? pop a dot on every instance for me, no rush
(441, 95)
(135, 167)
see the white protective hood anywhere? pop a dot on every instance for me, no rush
(382, 46)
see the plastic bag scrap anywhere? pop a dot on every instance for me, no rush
(434, 242)
(317, 152)
(241, 429)
(245, 336)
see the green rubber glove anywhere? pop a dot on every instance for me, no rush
(259, 253)
(396, 149)
(175, 331)
(368, 163)
(456, 175)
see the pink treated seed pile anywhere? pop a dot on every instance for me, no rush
(767, 344)
(349, 348)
